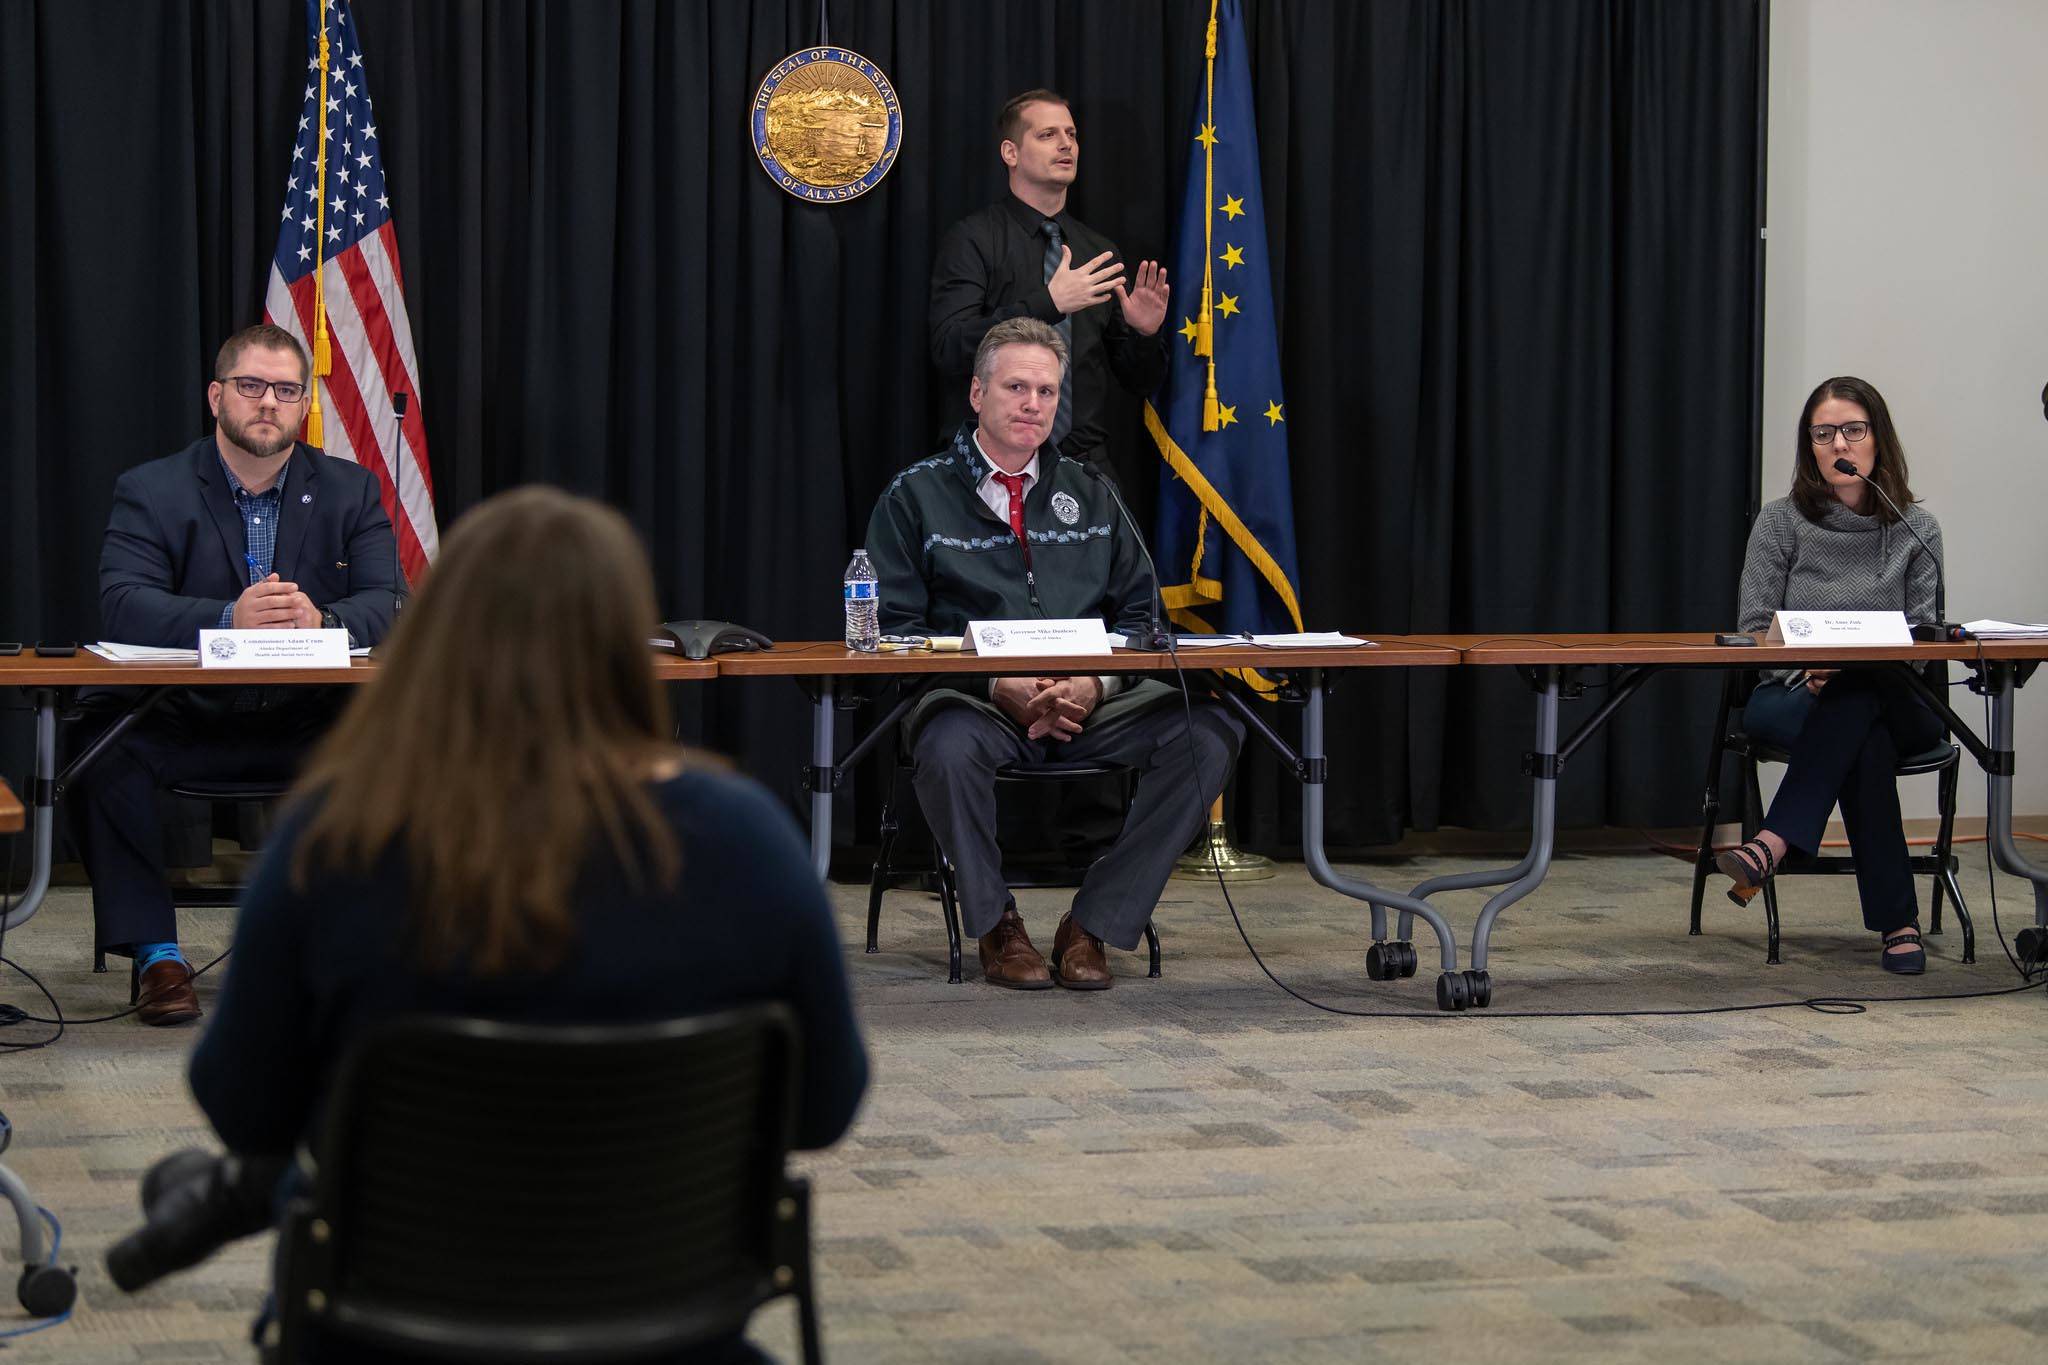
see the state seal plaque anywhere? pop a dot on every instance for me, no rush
(827, 124)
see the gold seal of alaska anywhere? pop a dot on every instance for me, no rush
(827, 124)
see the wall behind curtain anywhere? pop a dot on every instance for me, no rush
(1513, 246)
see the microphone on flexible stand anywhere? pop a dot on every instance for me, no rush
(1934, 630)
(399, 402)
(1154, 636)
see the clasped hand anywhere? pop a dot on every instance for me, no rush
(1048, 708)
(273, 605)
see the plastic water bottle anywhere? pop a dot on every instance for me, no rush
(863, 605)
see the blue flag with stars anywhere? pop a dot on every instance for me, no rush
(1225, 536)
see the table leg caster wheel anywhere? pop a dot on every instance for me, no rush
(2031, 946)
(1481, 987)
(1388, 961)
(47, 1291)
(1452, 991)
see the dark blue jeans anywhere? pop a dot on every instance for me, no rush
(1845, 746)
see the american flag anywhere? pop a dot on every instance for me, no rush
(337, 219)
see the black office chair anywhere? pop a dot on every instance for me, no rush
(1944, 759)
(520, 1194)
(214, 793)
(889, 874)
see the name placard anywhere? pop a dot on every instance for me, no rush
(994, 639)
(1840, 628)
(273, 649)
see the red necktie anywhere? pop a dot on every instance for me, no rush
(1015, 483)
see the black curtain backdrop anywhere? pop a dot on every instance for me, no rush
(1514, 247)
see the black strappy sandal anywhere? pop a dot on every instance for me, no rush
(1749, 866)
(1908, 964)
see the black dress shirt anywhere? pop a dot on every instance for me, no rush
(991, 266)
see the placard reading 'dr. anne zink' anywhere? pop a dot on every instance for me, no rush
(1840, 628)
(273, 649)
(997, 638)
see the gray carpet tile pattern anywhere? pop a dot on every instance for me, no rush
(1201, 1169)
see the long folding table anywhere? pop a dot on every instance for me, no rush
(50, 684)
(1547, 662)
(823, 669)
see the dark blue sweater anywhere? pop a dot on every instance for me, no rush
(747, 921)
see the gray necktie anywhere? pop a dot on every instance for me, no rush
(1063, 421)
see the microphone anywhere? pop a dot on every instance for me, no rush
(1155, 636)
(1933, 630)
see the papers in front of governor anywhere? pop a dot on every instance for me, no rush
(161, 654)
(1188, 640)
(1308, 639)
(2006, 630)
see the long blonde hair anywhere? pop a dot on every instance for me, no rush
(517, 720)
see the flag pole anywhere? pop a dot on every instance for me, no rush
(323, 357)
(1213, 854)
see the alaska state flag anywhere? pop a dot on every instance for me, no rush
(1225, 535)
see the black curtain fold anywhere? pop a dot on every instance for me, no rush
(1513, 249)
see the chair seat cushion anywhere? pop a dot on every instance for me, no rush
(1932, 761)
(233, 791)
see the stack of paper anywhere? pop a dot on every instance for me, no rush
(143, 654)
(1308, 639)
(2006, 630)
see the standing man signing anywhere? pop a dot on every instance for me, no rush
(1028, 257)
(244, 529)
(1002, 526)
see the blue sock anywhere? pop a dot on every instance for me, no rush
(148, 955)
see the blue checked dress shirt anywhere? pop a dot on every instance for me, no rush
(259, 529)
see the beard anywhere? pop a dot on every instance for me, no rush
(277, 442)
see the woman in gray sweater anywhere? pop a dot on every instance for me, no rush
(1833, 544)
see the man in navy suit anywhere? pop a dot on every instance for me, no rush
(246, 529)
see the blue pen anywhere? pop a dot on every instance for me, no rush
(255, 570)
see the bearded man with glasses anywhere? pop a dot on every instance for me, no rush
(245, 529)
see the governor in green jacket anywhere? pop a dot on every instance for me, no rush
(1001, 526)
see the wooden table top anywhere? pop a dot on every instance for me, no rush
(86, 669)
(832, 657)
(11, 815)
(1699, 648)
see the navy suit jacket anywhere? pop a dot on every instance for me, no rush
(174, 555)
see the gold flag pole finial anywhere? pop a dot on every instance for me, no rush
(323, 356)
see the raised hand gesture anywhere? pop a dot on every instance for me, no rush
(1074, 288)
(1145, 305)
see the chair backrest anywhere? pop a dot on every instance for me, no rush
(520, 1192)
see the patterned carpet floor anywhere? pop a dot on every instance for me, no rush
(1200, 1168)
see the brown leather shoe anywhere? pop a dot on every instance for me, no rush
(164, 994)
(1009, 960)
(1077, 960)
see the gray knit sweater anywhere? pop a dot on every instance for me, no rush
(1843, 562)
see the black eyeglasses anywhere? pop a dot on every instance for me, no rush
(249, 386)
(1852, 432)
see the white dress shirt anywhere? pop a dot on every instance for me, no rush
(996, 494)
